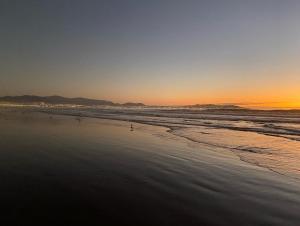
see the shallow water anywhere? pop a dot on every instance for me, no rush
(93, 171)
(270, 139)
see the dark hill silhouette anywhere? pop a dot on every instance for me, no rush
(28, 99)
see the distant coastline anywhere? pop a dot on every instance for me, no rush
(59, 100)
(55, 100)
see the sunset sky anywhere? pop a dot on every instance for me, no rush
(156, 52)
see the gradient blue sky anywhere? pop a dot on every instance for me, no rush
(157, 52)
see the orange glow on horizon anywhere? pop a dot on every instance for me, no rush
(259, 102)
(286, 97)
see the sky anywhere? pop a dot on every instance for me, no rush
(162, 52)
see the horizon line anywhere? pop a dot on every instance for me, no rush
(251, 105)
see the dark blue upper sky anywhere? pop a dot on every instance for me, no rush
(152, 51)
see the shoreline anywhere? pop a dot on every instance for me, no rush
(170, 129)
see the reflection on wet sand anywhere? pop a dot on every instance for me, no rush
(58, 170)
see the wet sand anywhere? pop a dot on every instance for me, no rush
(58, 169)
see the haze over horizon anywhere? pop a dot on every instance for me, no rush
(155, 52)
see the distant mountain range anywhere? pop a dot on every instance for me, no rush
(59, 100)
(29, 99)
(56, 100)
